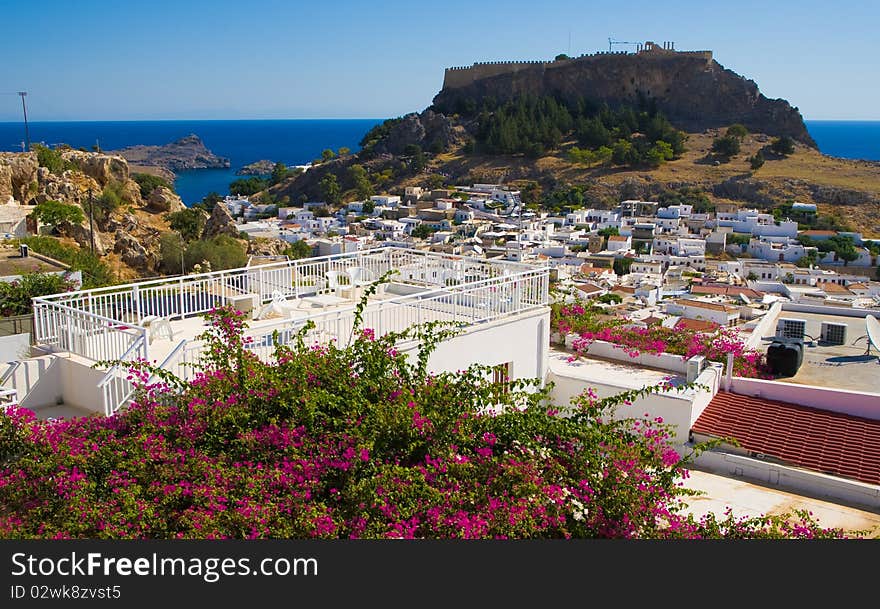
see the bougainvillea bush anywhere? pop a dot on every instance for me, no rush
(714, 346)
(355, 442)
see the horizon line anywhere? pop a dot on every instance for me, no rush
(313, 118)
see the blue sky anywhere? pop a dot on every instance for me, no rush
(97, 60)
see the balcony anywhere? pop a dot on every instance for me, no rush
(160, 320)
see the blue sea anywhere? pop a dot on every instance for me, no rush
(296, 142)
(293, 142)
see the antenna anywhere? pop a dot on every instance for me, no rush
(27, 137)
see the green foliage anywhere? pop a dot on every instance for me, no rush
(248, 186)
(417, 159)
(220, 252)
(51, 159)
(726, 147)
(95, 273)
(209, 201)
(171, 248)
(111, 199)
(738, 131)
(298, 249)
(377, 133)
(15, 296)
(687, 195)
(533, 125)
(783, 146)
(610, 298)
(54, 213)
(279, 173)
(561, 57)
(608, 231)
(756, 161)
(148, 183)
(330, 189)
(622, 265)
(344, 151)
(188, 222)
(327, 155)
(361, 180)
(738, 238)
(422, 231)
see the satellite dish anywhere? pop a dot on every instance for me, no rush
(744, 298)
(873, 332)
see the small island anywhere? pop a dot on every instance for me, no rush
(181, 155)
(258, 168)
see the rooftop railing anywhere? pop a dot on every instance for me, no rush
(108, 324)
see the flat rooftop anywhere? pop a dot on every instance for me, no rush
(11, 263)
(613, 372)
(837, 366)
(748, 500)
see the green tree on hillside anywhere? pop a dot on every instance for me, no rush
(783, 146)
(298, 249)
(54, 213)
(361, 180)
(188, 222)
(726, 147)
(148, 183)
(330, 189)
(756, 161)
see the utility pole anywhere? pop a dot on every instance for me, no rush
(92, 220)
(27, 137)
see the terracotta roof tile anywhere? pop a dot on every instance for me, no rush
(830, 442)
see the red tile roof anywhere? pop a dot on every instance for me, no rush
(729, 290)
(697, 325)
(820, 440)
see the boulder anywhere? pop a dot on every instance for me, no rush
(164, 200)
(103, 168)
(221, 222)
(82, 234)
(133, 253)
(263, 246)
(18, 176)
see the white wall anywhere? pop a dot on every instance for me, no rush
(793, 479)
(15, 347)
(856, 403)
(523, 339)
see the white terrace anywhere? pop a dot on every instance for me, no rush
(160, 320)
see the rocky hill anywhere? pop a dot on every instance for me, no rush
(691, 89)
(186, 153)
(699, 96)
(126, 236)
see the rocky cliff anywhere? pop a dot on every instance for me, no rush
(130, 232)
(693, 90)
(186, 153)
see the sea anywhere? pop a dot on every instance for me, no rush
(297, 142)
(292, 142)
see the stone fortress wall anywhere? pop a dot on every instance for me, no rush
(462, 76)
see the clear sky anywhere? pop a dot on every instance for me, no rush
(193, 59)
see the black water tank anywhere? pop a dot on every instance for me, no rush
(785, 357)
(23, 250)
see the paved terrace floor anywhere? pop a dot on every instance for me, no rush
(747, 500)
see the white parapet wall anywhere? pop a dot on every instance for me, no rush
(521, 340)
(678, 409)
(855, 403)
(792, 479)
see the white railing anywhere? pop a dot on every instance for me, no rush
(102, 323)
(60, 327)
(465, 304)
(116, 386)
(8, 397)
